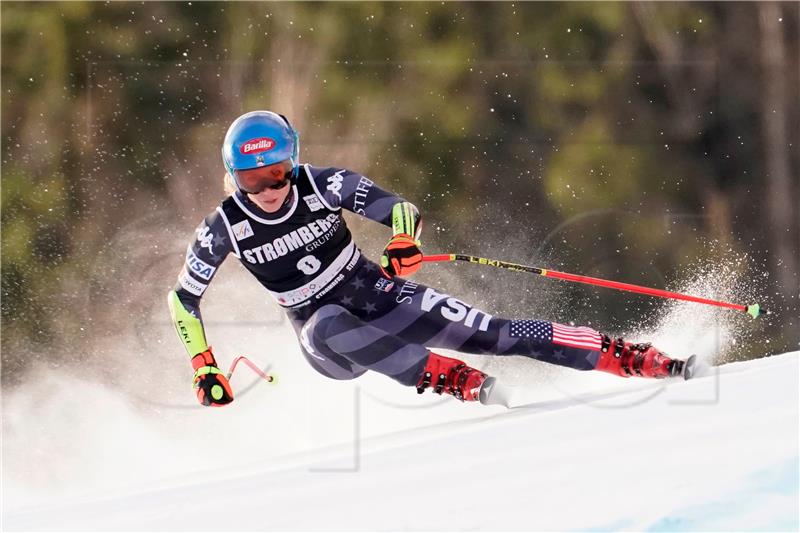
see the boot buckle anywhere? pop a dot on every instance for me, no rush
(426, 382)
(439, 388)
(619, 346)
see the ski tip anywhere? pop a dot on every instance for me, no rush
(689, 367)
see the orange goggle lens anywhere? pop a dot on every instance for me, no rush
(255, 180)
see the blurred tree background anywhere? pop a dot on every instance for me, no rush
(634, 141)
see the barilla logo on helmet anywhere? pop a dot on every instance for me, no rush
(256, 146)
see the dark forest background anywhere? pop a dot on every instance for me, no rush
(637, 141)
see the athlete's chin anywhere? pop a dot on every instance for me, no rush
(270, 206)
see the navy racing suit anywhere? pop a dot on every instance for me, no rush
(349, 317)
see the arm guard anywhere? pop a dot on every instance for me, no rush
(189, 327)
(405, 219)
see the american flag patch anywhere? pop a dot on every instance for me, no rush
(542, 330)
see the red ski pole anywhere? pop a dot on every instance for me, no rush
(753, 310)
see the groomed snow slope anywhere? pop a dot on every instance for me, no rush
(716, 453)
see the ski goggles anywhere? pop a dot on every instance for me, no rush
(255, 180)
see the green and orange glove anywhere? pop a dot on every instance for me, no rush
(213, 388)
(402, 256)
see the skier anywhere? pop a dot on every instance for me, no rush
(283, 222)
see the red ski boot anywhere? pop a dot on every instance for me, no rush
(451, 376)
(627, 359)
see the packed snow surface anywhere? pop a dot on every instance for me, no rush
(719, 452)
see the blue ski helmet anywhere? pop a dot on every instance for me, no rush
(258, 139)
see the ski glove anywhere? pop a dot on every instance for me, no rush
(402, 256)
(212, 386)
